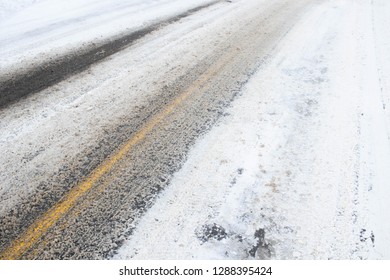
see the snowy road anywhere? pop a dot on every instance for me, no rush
(246, 129)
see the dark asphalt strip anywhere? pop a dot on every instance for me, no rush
(51, 72)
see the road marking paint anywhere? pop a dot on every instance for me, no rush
(38, 228)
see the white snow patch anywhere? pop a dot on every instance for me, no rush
(10, 7)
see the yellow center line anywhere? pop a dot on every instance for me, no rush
(38, 228)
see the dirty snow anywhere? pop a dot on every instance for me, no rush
(298, 169)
